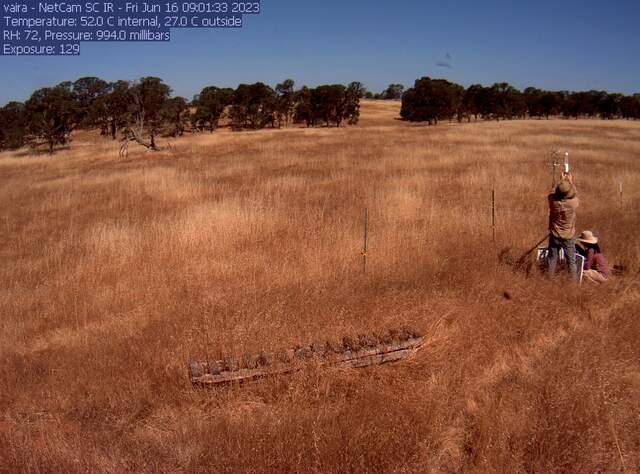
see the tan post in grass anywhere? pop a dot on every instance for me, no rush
(493, 213)
(365, 247)
(621, 201)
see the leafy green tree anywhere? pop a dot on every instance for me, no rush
(549, 103)
(52, 114)
(518, 107)
(393, 92)
(590, 102)
(487, 103)
(471, 100)
(175, 112)
(286, 102)
(86, 91)
(630, 107)
(570, 105)
(303, 111)
(508, 101)
(354, 92)
(12, 125)
(329, 103)
(210, 105)
(118, 103)
(148, 97)
(110, 111)
(533, 100)
(608, 105)
(253, 106)
(431, 100)
(457, 101)
(357, 89)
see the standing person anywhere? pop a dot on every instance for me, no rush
(596, 268)
(563, 203)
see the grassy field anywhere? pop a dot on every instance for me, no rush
(116, 272)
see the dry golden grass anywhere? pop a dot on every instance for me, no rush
(116, 272)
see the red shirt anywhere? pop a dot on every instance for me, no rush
(596, 261)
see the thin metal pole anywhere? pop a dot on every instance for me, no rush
(621, 193)
(365, 247)
(493, 213)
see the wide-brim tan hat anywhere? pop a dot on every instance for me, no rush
(588, 238)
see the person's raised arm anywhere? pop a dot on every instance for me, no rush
(568, 176)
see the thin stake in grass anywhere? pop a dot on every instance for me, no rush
(365, 247)
(621, 195)
(493, 214)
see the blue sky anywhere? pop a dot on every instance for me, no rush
(574, 45)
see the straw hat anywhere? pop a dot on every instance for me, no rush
(588, 238)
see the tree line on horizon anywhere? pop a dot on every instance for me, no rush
(144, 109)
(432, 100)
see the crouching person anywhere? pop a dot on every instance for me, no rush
(596, 268)
(563, 203)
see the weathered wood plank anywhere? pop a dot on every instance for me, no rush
(229, 370)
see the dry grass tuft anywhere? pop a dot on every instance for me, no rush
(115, 273)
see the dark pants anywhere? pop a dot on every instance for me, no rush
(569, 247)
